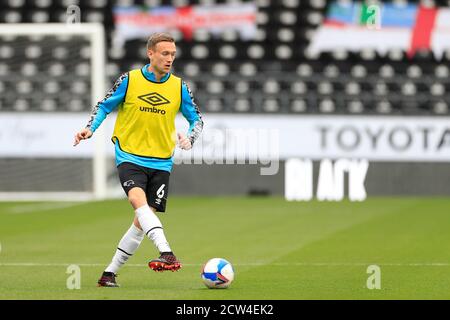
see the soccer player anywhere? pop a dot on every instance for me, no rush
(148, 100)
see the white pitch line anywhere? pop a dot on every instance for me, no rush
(42, 207)
(255, 264)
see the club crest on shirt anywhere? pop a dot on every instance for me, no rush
(128, 183)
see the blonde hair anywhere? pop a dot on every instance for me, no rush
(158, 37)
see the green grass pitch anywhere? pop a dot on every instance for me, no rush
(279, 249)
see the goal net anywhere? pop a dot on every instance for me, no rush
(50, 77)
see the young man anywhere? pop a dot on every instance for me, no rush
(148, 100)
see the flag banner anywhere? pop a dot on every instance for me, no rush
(440, 38)
(138, 22)
(354, 26)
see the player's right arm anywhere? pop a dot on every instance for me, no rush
(114, 97)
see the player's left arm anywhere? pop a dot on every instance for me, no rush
(192, 113)
(114, 97)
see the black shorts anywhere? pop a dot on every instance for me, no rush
(155, 183)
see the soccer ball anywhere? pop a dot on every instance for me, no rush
(217, 273)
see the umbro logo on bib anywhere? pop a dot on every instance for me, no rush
(154, 99)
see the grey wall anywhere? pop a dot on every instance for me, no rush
(29, 174)
(383, 179)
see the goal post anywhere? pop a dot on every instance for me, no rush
(25, 107)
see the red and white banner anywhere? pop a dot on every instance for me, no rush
(135, 22)
(440, 37)
(410, 28)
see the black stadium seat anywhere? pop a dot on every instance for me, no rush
(270, 74)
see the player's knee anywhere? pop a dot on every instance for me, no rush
(137, 197)
(136, 201)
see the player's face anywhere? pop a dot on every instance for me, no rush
(162, 56)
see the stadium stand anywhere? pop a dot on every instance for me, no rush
(226, 73)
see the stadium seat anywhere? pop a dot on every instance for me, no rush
(299, 106)
(199, 51)
(11, 16)
(29, 69)
(76, 105)
(414, 71)
(220, 69)
(215, 87)
(49, 105)
(33, 52)
(191, 69)
(271, 86)
(325, 88)
(384, 107)
(39, 16)
(256, 51)
(299, 88)
(241, 87)
(440, 107)
(21, 105)
(437, 89)
(248, 69)
(242, 105)
(215, 105)
(271, 105)
(386, 71)
(331, 71)
(24, 87)
(79, 88)
(355, 107)
(380, 89)
(441, 71)
(327, 106)
(225, 72)
(6, 52)
(353, 88)
(51, 87)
